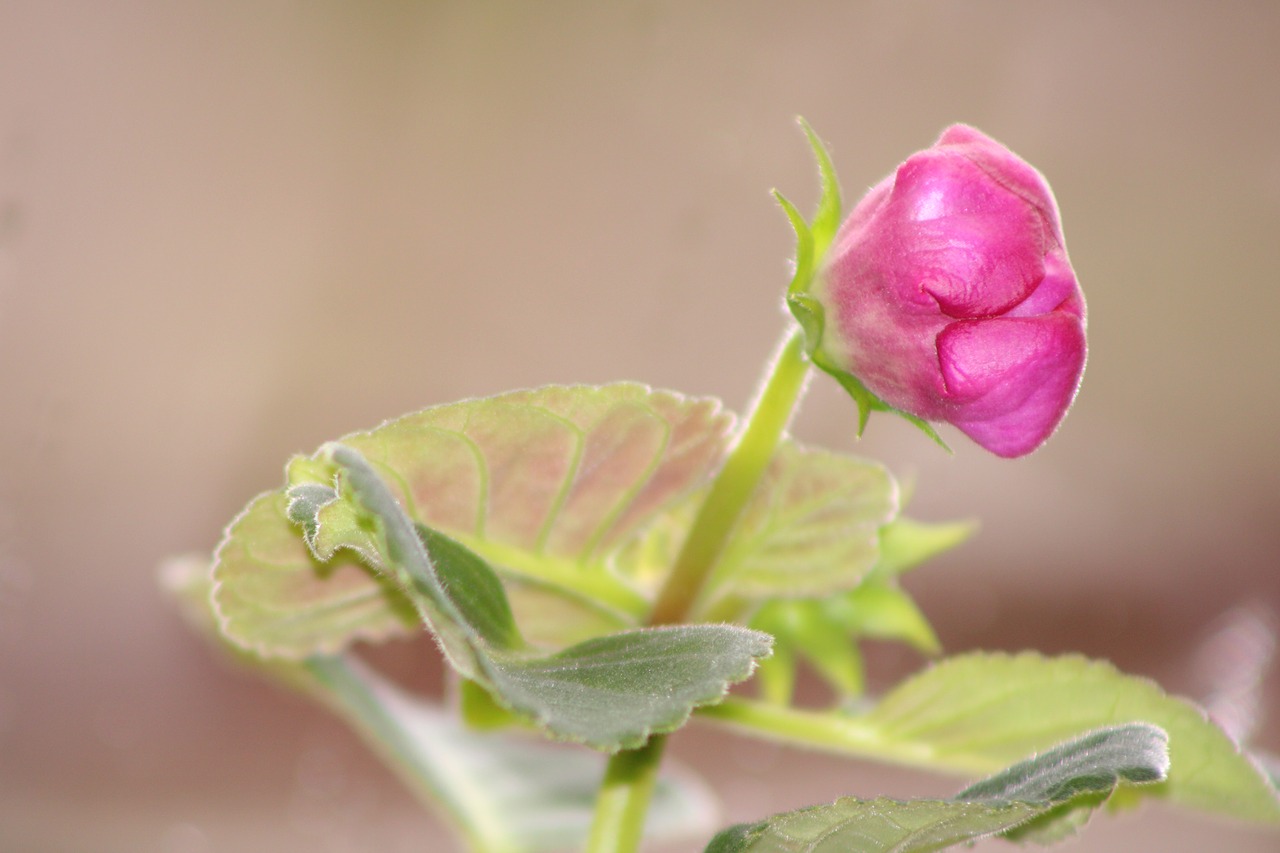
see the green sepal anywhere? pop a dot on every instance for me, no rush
(813, 239)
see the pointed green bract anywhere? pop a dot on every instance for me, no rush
(813, 239)
(906, 543)
(1077, 775)
(610, 692)
(546, 485)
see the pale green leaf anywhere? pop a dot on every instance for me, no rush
(884, 611)
(1074, 776)
(546, 485)
(275, 598)
(905, 543)
(609, 692)
(812, 527)
(979, 710)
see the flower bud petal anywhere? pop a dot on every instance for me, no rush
(948, 293)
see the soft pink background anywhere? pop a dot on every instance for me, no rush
(231, 230)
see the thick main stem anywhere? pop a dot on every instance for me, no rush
(735, 483)
(623, 799)
(629, 780)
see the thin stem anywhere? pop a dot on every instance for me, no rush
(623, 800)
(735, 483)
(835, 733)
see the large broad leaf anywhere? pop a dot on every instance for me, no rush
(810, 529)
(503, 793)
(978, 712)
(609, 692)
(545, 484)
(1047, 788)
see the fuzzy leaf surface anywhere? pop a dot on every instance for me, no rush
(975, 712)
(609, 692)
(1077, 775)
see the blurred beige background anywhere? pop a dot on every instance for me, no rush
(232, 230)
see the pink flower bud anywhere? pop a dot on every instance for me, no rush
(948, 294)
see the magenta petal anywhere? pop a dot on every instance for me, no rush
(1012, 379)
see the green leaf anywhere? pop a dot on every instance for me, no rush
(1074, 776)
(546, 485)
(800, 629)
(882, 610)
(275, 598)
(503, 793)
(812, 527)
(609, 692)
(979, 710)
(906, 543)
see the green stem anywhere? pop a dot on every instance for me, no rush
(735, 483)
(623, 800)
(630, 776)
(833, 732)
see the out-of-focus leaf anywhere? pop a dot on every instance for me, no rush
(906, 542)
(977, 710)
(610, 692)
(545, 485)
(1075, 776)
(801, 630)
(882, 610)
(504, 793)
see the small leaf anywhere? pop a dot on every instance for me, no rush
(883, 610)
(1074, 776)
(610, 692)
(613, 692)
(801, 629)
(906, 543)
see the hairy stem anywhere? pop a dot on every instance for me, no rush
(623, 800)
(736, 482)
